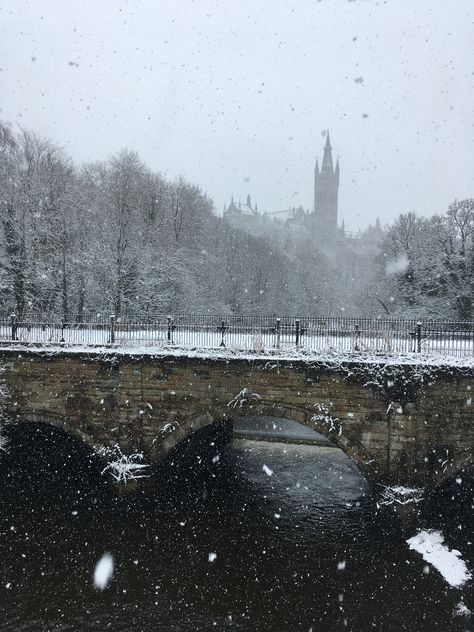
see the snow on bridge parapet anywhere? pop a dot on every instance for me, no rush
(331, 357)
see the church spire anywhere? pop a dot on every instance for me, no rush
(328, 142)
(327, 158)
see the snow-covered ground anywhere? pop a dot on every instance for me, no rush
(331, 357)
(155, 338)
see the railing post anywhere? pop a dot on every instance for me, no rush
(14, 326)
(357, 338)
(62, 330)
(171, 328)
(112, 329)
(418, 337)
(222, 330)
(277, 333)
(297, 332)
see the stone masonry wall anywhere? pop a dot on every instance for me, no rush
(400, 425)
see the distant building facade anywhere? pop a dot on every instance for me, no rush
(243, 216)
(321, 221)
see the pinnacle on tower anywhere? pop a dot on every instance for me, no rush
(327, 158)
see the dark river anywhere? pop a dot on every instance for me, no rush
(215, 545)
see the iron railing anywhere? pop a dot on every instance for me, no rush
(245, 333)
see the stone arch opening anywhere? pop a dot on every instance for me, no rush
(453, 482)
(322, 423)
(452, 499)
(328, 428)
(57, 421)
(185, 474)
(445, 473)
(175, 432)
(198, 467)
(47, 461)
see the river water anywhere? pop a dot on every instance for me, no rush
(267, 536)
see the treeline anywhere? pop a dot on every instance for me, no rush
(117, 238)
(425, 268)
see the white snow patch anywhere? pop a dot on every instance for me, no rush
(3, 442)
(103, 571)
(461, 610)
(430, 544)
(170, 426)
(124, 467)
(401, 495)
(341, 566)
(431, 357)
(212, 557)
(267, 470)
(244, 397)
(333, 424)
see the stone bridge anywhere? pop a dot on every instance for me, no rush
(401, 424)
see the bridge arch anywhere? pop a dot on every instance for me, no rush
(47, 458)
(176, 431)
(365, 462)
(449, 476)
(179, 431)
(47, 418)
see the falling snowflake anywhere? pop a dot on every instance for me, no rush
(267, 470)
(103, 571)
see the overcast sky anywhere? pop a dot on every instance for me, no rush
(235, 95)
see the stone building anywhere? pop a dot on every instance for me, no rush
(243, 216)
(326, 188)
(321, 221)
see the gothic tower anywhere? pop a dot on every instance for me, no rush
(326, 185)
